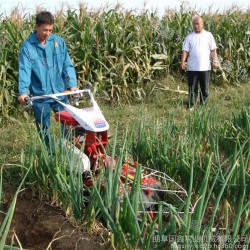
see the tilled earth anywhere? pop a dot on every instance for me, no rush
(39, 225)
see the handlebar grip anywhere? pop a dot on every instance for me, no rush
(27, 99)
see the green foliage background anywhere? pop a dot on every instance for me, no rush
(120, 53)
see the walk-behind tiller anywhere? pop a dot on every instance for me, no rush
(86, 131)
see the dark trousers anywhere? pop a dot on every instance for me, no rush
(194, 78)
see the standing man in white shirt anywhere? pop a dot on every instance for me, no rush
(198, 49)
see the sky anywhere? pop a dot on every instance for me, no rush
(137, 5)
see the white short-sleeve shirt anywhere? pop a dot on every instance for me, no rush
(199, 46)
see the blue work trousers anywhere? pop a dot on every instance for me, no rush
(42, 116)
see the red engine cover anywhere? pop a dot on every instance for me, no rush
(66, 118)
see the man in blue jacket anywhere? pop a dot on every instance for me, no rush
(45, 68)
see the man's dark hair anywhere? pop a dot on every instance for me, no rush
(44, 17)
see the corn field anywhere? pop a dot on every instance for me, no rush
(119, 53)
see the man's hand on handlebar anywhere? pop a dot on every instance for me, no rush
(73, 89)
(23, 99)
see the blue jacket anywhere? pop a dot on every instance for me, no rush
(45, 69)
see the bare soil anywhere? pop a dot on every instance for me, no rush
(38, 225)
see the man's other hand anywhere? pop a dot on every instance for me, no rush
(73, 89)
(22, 99)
